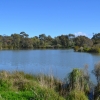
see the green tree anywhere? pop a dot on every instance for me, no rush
(15, 40)
(42, 38)
(6, 42)
(71, 38)
(96, 38)
(0, 41)
(35, 42)
(82, 41)
(64, 40)
(24, 40)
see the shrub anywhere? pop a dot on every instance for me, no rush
(4, 85)
(76, 95)
(95, 49)
(76, 48)
(86, 49)
(78, 80)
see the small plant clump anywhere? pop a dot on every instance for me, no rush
(76, 95)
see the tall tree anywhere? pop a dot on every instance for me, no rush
(96, 38)
(64, 40)
(42, 38)
(0, 41)
(15, 40)
(24, 39)
(71, 38)
(83, 41)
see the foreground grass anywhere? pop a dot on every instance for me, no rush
(21, 86)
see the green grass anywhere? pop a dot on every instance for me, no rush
(30, 95)
(21, 86)
(76, 95)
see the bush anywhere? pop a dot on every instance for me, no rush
(77, 80)
(95, 49)
(76, 95)
(4, 85)
(76, 48)
(86, 49)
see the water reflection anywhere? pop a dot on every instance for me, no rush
(56, 62)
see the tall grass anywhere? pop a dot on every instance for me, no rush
(21, 86)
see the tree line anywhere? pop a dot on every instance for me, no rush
(23, 41)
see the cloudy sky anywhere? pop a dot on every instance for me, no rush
(52, 17)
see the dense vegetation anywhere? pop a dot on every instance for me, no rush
(21, 86)
(77, 86)
(23, 41)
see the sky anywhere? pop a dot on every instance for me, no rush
(50, 17)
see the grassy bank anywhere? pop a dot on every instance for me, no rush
(22, 86)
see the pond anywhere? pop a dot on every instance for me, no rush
(52, 62)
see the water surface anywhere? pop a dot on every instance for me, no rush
(56, 62)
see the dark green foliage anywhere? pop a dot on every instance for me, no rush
(64, 40)
(96, 38)
(95, 49)
(82, 41)
(23, 41)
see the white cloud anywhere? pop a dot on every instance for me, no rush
(83, 34)
(80, 33)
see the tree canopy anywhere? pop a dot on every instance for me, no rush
(23, 41)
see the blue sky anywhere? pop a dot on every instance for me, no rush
(52, 17)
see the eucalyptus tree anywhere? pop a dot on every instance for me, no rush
(1, 41)
(35, 42)
(49, 39)
(15, 40)
(6, 42)
(24, 40)
(71, 38)
(64, 40)
(42, 38)
(96, 38)
(82, 41)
